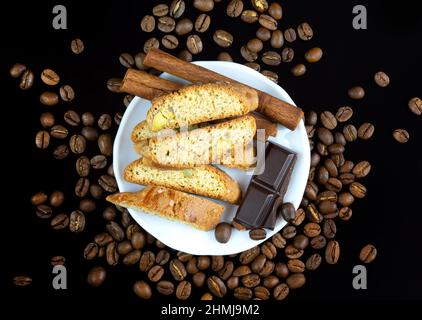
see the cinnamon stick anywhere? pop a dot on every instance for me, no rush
(276, 109)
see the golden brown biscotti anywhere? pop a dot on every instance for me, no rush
(205, 180)
(224, 143)
(201, 103)
(175, 205)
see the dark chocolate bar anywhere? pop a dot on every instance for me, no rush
(256, 208)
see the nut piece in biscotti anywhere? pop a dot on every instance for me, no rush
(205, 180)
(201, 103)
(175, 205)
(222, 143)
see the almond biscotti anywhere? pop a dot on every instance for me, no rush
(205, 180)
(175, 205)
(224, 143)
(201, 103)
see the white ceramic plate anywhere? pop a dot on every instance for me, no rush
(183, 237)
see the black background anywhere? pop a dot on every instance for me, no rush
(388, 217)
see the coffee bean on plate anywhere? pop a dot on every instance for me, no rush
(257, 234)
(223, 232)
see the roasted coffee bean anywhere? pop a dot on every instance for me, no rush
(310, 130)
(296, 281)
(234, 8)
(336, 148)
(251, 280)
(345, 213)
(165, 287)
(103, 239)
(301, 242)
(313, 214)
(366, 131)
(281, 270)
(139, 62)
(288, 232)
(115, 231)
(112, 256)
(148, 23)
(268, 268)
(58, 261)
(243, 293)
(358, 190)
(170, 42)
(88, 118)
(257, 234)
(77, 46)
(42, 139)
(269, 250)
(340, 139)
(124, 247)
(299, 218)
(350, 132)
(202, 23)
(50, 77)
(27, 80)
(332, 252)
(311, 118)
(290, 35)
(77, 143)
(344, 114)
(271, 281)
(132, 229)
(204, 5)
(82, 166)
(194, 44)
(263, 34)
(77, 221)
(104, 122)
(313, 262)
(260, 5)
(318, 242)
(224, 56)
(338, 159)
(401, 135)
(166, 24)
(109, 214)
(177, 269)
(334, 184)
(163, 256)
(17, 70)
(232, 283)
(223, 38)
(98, 161)
(60, 221)
(72, 118)
(147, 261)
(185, 55)
(96, 276)
(91, 251)
(311, 192)
(368, 253)
(329, 228)
(313, 55)
(82, 187)
(256, 45)
(177, 8)
(241, 271)
(223, 232)
(183, 256)
(382, 79)
(22, 281)
(160, 10)
(356, 93)
(257, 265)
(43, 211)
(67, 93)
(328, 120)
(126, 59)
(113, 84)
(216, 286)
(105, 144)
(268, 22)
(415, 105)
(56, 198)
(281, 291)
(248, 256)
(325, 136)
(275, 10)
(298, 70)
(287, 54)
(278, 241)
(250, 16)
(49, 98)
(270, 75)
(293, 253)
(277, 39)
(47, 119)
(59, 132)
(118, 118)
(39, 198)
(322, 175)
(133, 257)
(227, 270)
(327, 207)
(312, 229)
(296, 266)
(149, 44)
(248, 55)
(138, 240)
(142, 290)
(217, 263)
(362, 169)
(288, 211)
(346, 167)
(203, 262)
(271, 58)
(184, 26)
(87, 205)
(305, 31)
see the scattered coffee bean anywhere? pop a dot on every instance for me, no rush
(22, 281)
(234, 8)
(96, 276)
(126, 59)
(77, 46)
(105, 144)
(260, 5)
(177, 269)
(56, 198)
(249, 16)
(43, 211)
(332, 252)
(204, 5)
(72, 118)
(77, 144)
(160, 10)
(271, 58)
(242, 293)
(270, 75)
(42, 139)
(318, 242)
(350, 133)
(356, 93)
(345, 213)
(256, 45)
(247, 54)
(263, 34)
(368, 253)
(202, 23)
(165, 287)
(141, 288)
(50, 77)
(254, 66)
(288, 232)
(401, 135)
(185, 55)
(366, 131)
(104, 121)
(313, 262)
(27, 80)
(91, 251)
(170, 42)
(415, 105)
(166, 24)
(96, 191)
(224, 56)
(194, 44)
(287, 55)
(87, 205)
(305, 31)
(269, 22)
(222, 38)
(277, 39)
(183, 290)
(115, 231)
(358, 190)
(382, 79)
(298, 70)
(90, 133)
(151, 43)
(112, 256)
(77, 221)
(216, 286)
(82, 187)
(17, 70)
(177, 8)
(344, 114)
(288, 211)
(148, 23)
(39, 198)
(257, 234)
(47, 119)
(296, 281)
(58, 261)
(67, 93)
(49, 98)
(61, 152)
(290, 35)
